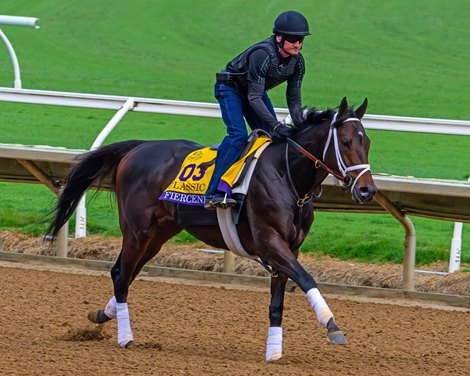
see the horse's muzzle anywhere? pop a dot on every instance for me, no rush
(364, 193)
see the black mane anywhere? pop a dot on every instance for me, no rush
(313, 116)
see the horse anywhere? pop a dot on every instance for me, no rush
(274, 221)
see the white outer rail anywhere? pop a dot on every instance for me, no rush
(173, 107)
(19, 21)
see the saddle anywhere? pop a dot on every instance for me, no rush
(189, 187)
(249, 145)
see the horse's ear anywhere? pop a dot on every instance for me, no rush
(362, 109)
(343, 106)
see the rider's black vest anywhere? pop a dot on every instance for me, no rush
(279, 70)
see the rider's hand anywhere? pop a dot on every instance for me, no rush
(281, 131)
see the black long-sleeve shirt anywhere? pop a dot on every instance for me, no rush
(260, 68)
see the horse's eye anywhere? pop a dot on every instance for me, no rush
(345, 143)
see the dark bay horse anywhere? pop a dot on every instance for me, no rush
(274, 221)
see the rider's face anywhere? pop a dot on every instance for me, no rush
(290, 48)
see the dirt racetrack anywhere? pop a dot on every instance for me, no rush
(195, 329)
(186, 256)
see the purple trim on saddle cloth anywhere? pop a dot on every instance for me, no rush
(224, 187)
(183, 198)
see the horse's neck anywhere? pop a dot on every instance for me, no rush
(305, 176)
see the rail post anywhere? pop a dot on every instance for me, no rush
(229, 262)
(409, 257)
(80, 223)
(62, 241)
(16, 21)
(456, 247)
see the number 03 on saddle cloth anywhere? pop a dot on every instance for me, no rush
(190, 185)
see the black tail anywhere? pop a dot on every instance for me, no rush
(94, 166)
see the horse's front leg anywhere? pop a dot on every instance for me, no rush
(274, 342)
(285, 262)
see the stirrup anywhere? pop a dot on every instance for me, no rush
(220, 201)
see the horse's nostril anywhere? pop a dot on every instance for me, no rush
(365, 193)
(367, 190)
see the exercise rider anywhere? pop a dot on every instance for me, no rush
(241, 90)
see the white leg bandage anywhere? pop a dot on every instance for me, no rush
(124, 324)
(322, 310)
(274, 344)
(110, 309)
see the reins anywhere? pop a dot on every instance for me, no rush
(318, 162)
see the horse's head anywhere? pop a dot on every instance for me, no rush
(347, 148)
(344, 147)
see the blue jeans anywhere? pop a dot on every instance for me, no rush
(235, 109)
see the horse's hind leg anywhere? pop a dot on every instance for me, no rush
(103, 315)
(123, 274)
(274, 342)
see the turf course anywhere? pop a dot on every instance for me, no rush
(408, 58)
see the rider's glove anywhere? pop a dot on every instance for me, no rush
(281, 131)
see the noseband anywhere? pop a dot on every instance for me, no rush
(344, 170)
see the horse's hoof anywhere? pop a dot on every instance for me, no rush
(126, 345)
(98, 317)
(337, 338)
(273, 357)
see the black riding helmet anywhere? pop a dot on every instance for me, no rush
(291, 23)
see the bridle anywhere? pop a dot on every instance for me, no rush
(343, 174)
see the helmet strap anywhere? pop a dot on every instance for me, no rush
(281, 43)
